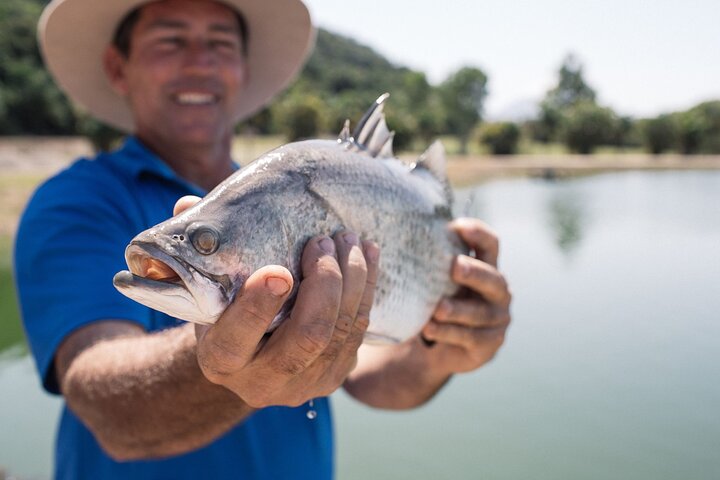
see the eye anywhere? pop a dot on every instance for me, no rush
(205, 240)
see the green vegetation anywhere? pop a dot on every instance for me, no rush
(11, 333)
(586, 126)
(502, 138)
(342, 78)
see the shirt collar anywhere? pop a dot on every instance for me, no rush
(143, 160)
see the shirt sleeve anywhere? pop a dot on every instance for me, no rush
(70, 243)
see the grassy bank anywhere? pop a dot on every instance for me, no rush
(10, 329)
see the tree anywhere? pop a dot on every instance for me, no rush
(463, 96)
(31, 103)
(661, 133)
(570, 90)
(586, 126)
(299, 116)
(700, 128)
(501, 137)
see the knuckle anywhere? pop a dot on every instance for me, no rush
(493, 240)
(289, 365)
(330, 271)
(362, 322)
(215, 362)
(212, 375)
(314, 338)
(344, 325)
(503, 287)
(503, 318)
(256, 312)
(258, 399)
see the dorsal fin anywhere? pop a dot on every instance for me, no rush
(433, 160)
(345, 133)
(372, 134)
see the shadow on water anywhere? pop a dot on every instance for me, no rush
(566, 218)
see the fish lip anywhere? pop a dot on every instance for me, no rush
(183, 269)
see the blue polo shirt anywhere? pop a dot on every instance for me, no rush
(70, 243)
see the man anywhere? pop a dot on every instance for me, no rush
(151, 397)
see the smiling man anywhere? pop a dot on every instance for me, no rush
(149, 396)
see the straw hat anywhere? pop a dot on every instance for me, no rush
(73, 35)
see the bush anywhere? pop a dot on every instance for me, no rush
(661, 134)
(586, 126)
(502, 138)
(299, 116)
(700, 129)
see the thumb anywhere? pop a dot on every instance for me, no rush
(233, 340)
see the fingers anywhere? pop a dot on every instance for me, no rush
(482, 278)
(184, 203)
(470, 312)
(468, 338)
(228, 345)
(371, 253)
(478, 236)
(354, 273)
(308, 331)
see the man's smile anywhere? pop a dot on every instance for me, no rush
(195, 98)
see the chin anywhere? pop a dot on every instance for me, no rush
(202, 135)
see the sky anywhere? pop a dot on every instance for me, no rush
(642, 57)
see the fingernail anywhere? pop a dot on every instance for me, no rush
(445, 307)
(463, 267)
(372, 253)
(277, 286)
(327, 245)
(429, 330)
(350, 238)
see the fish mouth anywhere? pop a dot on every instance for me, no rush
(173, 286)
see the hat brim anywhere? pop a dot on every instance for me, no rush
(73, 35)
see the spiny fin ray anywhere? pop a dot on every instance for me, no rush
(433, 160)
(372, 134)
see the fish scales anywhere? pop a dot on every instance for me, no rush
(266, 213)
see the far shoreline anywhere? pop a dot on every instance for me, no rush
(27, 161)
(46, 155)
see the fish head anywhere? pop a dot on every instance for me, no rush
(192, 265)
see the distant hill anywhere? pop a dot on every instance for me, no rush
(349, 76)
(340, 64)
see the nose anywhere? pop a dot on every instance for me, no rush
(199, 57)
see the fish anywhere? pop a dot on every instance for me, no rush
(192, 265)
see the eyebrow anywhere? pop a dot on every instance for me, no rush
(177, 24)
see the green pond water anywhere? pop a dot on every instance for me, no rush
(611, 368)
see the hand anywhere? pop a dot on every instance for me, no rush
(470, 327)
(311, 353)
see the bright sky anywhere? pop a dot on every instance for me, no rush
(643, 57)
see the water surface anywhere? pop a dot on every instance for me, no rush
(610, 368)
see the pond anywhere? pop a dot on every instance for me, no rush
(611, 365)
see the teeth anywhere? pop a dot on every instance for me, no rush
(193, 98)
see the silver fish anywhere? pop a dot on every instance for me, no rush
(192, 265)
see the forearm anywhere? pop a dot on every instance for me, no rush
(396, 377)
(144, 396)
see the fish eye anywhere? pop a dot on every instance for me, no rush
(205, 240)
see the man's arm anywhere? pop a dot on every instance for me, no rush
(143, 395)
(152, 395)
(465, 332)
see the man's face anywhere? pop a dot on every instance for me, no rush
(185, 71)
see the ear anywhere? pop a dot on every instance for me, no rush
(114, 64)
